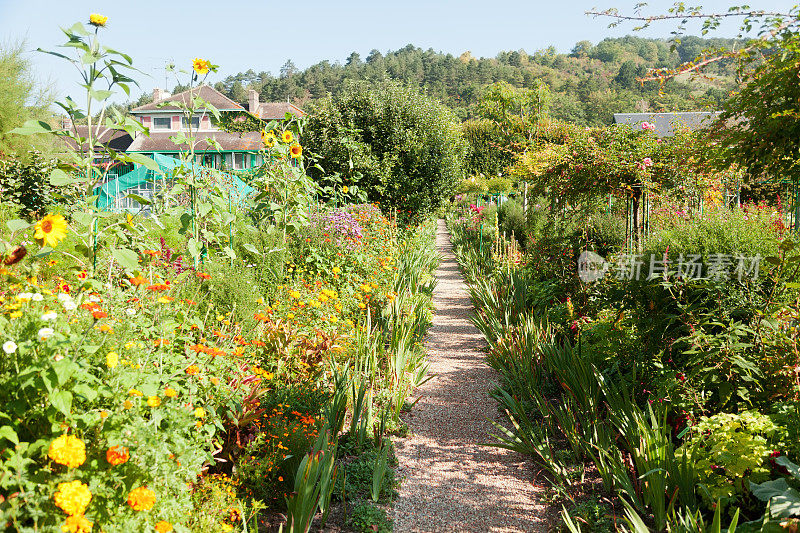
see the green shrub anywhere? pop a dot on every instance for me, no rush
(27, 183)
(729, 451)
(724, 231)
(511, 218)
(498, 185)
(367, 518)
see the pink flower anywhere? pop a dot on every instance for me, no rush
(647, 126)
(647, 162)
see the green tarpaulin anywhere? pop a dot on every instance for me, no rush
(140, 177)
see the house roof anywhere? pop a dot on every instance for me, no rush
(276, 110)
(230, 142)
(207, 93)
(118, 140)
(667, 123)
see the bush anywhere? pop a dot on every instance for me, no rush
(27, 184)
(404, 148)
(367, 518)
(730, 450)
(511, 218)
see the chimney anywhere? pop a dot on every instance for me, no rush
(160, 94)
(252, 101)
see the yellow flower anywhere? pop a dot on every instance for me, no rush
(127, 404)
(290, 316)
(77, 523)
(135, 392)
(296, 150)
(294, 294)
(163, 527)
(200, 66)
(169, 392)
(112, 359)
(287, 137)
(199, 413)
(268, 139)
(73, 497)
(97, 20)
(50, 230)
(336, 270)
(141, 499)
(117, 455)
(345, 189)
(68, 451)
(153, 401)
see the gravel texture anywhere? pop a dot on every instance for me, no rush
(450, 480)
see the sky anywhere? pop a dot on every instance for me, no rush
(238, 35)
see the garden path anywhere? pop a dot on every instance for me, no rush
(450, 481)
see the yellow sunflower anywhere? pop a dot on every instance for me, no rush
(287, 137)
(268, 139)
(296, 150)
(50, 230)
(97, 20)
(200, 66)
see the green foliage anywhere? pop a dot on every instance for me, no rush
(238, 122)
(402, 147)
(368, 518)
(488, 151)
(512, 220)
(582, 82)
(594, 516)
(20, 100)
(783, 499)
(729, 451)
(498, 186)
(27, 184)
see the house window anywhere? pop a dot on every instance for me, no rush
(238, 161)
(195, 123)
(162, 123)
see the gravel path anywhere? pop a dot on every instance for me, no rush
(450, 481)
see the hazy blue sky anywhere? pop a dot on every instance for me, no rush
(262, 35)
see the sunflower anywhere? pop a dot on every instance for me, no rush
(268, 139)
(287, 137)
(296, 150)
(200, 66)
(50, 230)
(97, 20)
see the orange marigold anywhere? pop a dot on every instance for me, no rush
(73, 497)
(116, 455)
(163, 527)
(68, 451)
(192, 370)
(138, 280)
(141, 499)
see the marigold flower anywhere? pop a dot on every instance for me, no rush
(192, 370)
(135, 392)
(67, 450)
(199, 412)
(50, 230)
(296, 150)
(203, 275)
(112, 359)
(153, 401)
(336, 270)
(73, 497)
(97, 20)
(138, 280)
(163, 527)
(127, 404)
(141, 499)
(200, 66)
(97, 315)
(116, 455)
(287, 137)
(77, 523)
(169, 392)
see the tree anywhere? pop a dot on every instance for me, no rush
(21, 99)
(400, 146)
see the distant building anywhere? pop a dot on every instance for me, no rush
(667, 123)
(238, 150)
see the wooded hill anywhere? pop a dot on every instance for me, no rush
(589, 84)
